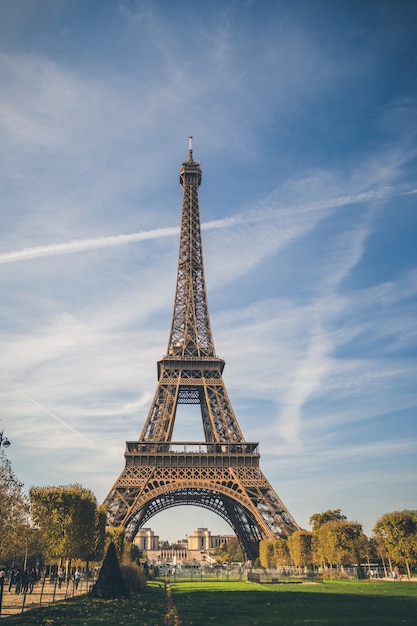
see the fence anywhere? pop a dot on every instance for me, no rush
(45, 591)
(200, 574)
(277, 577)
(234, 574)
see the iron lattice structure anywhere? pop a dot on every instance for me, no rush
(222, 473)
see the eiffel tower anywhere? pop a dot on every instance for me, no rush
(222, 473)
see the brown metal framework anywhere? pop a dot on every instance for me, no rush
(222, 473)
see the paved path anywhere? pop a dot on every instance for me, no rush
(44, 592)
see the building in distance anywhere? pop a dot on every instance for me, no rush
(197, 548)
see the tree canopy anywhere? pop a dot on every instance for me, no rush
(69, 520)
(339, 542)
(300, 547)
(16, 532)
(317, 519)
(396, 533)
(231, 552)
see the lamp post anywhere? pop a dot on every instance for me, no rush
(5, 443)
(3, 440)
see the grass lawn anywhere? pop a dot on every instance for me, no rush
(332, 603)
(328, 604)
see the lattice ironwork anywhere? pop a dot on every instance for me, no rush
(222, 473)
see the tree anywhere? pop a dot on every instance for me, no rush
(274, 553)
(17, 536)
(396, 532)
(234, 551)
(281, 552)
(300, 547)
(220, 554)
(110, 583)
(266, 553)
(116, 535)
(339, 542)
(231, 552)
(69, 520)
(101, 518)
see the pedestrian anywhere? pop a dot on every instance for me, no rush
(25, 581)
(32, 579)
(61, 577)
(18, 581)
(12, 579)
(77, 577)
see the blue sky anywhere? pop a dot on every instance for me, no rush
(304, 120)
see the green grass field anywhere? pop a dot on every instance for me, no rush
(241, 604)
(327, 604)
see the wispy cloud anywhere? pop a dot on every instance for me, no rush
(306, 379)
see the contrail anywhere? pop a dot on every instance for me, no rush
(80, 245)
(58, 419)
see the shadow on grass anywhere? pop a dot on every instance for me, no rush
(146, 609)
(291, 608)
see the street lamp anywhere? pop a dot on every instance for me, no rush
(3, 440)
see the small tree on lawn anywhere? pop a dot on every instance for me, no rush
(281, 552)
(110, 583)
(266, 554)
(397, 533)
(340, 543)
(300, 547)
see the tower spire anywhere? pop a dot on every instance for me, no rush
(190, 334)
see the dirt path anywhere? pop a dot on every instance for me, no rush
(171, 616)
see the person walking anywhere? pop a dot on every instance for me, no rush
(61, 577)
(32, 579)
(18, 581)
(12, 579)
(25, 581)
